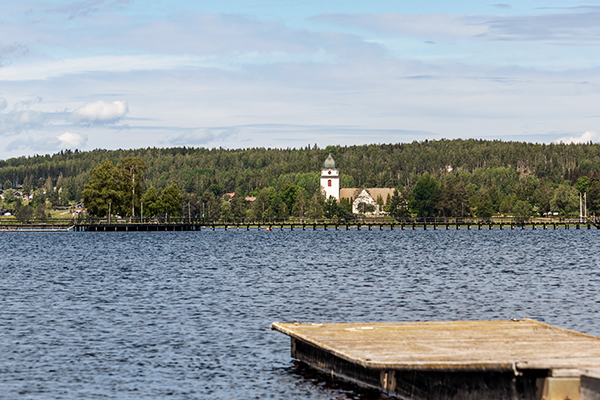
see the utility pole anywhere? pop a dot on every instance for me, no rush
(132, 197)
(580, 209)
(109, 211)
(585, 206)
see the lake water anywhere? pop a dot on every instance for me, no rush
(186, 315)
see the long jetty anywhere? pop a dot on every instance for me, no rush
(184, 224)
(456, 360)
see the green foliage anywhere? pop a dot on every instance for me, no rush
(397, 205)
(130, 179)
(564, 201)
(226, 214)
(10, 200)
(507, 172)
(103, 189)
(170, 201)
(593, 198)
(330, 207)
(425, 196)
(23, 213)
(7, 185)
(151, 204)
(522, 211)
(40, 213)
(582, 184)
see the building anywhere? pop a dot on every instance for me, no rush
(330, 178)
(361, 197)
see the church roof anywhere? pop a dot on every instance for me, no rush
(329, 163)
(373, 192)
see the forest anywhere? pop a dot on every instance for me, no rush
(433, 177)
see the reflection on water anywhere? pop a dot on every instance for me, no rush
(186, 314)
(326, 386)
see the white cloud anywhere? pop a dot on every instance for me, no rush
(18, 121)
(560, 28)
(202, 136)
(585, 138)
(100, 112)
(43, 69)
(3, 103)
(71, 140)
(67, 140)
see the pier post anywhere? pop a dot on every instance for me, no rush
(337, 228)
(469, 226)
(392, 227)
(577, 226)
(358, 227)
(512, 227)
(447, 226)
(414, 226)
(314, 226)
(303, 227)
(380, 227)
(325, 226)
(424, 226)
(479, 226)
(370, 227)
(534, 227)
(347, 227)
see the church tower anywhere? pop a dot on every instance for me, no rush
(330, 178)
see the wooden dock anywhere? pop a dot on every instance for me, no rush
(476, 360)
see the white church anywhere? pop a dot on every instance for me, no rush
(330, 183)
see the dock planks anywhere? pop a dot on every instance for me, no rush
(393, 356)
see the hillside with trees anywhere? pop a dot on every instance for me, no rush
(438, 178)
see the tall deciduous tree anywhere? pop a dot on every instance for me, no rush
(131, 180)
(564, 201)
(103, 189)
(170, 201)
(151, 205)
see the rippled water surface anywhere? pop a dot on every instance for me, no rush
(186, 315)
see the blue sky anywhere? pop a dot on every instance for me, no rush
(128, 74)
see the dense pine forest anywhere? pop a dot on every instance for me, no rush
(437, 178)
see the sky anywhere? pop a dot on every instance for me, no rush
(126, 74)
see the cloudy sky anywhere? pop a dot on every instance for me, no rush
(286, 73)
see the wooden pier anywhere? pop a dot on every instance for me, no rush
(477, 360)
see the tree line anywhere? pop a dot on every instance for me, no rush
(434, 178)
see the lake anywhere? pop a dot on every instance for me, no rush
(186, 315)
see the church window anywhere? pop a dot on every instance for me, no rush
(329, 182)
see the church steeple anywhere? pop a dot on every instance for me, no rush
(330, 178)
